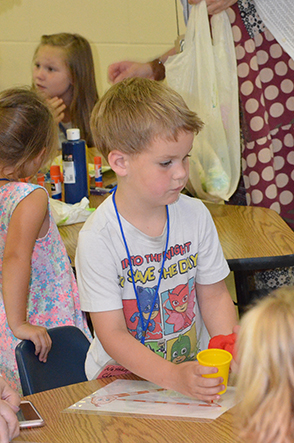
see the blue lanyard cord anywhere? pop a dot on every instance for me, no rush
(144, 327)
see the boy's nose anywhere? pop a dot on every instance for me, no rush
(181, 172)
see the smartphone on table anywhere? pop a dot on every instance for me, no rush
(28, 416)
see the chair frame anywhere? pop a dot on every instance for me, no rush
(65, 361)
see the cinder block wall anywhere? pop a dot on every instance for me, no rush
(117, 30)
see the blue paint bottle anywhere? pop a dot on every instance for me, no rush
(74, 161)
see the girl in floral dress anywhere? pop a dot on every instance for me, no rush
(37, 286)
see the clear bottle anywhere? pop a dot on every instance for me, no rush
(75, 171)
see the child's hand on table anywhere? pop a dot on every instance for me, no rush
(38, 335)
(190, 381)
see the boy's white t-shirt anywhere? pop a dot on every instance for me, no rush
(194, 254)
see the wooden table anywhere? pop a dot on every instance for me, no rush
(252, 238)
(69, 233)
(62, 427)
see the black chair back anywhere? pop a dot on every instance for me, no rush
(65, 362)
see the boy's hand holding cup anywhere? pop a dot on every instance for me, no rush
(218, 358)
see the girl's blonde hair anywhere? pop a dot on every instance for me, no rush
(135, 111)
(265, 384)
(79, 60)
(26, 128)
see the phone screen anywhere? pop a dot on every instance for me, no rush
(28, 415)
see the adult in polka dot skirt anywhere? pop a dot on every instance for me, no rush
(266, 85)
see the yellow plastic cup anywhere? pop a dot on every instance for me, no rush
(217, 358)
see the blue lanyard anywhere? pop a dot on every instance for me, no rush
(144, 327)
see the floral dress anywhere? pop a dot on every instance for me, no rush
(53, 298)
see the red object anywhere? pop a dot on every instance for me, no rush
(226, 342)
(98, 172)
(113, 371)
(55, 177)
(41, 179)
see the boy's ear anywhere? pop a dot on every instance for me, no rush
(118, 162)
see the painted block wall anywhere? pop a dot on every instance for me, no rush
(117, 30)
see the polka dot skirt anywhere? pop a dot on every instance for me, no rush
(266, 83)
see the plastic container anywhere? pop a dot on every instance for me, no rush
(75, 172)
(98, 172)
(41, 179)
(217, 358)
(55, 178)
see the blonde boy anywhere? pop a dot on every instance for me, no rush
(149, 263)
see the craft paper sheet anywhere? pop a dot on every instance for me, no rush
(145, 398)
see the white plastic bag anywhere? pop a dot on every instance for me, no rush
(205, 74)
(68, 214)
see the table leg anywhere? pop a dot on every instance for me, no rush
(242, 290)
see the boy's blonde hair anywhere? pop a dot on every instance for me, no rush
(79, 60)
(135, 111)
(26, 128)
(266, 370)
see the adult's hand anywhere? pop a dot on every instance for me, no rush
(127, 69)
(215, 6)
(9, 395)
(9, 427)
